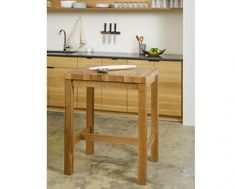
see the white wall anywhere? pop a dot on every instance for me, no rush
(189, 64)
(161, 29)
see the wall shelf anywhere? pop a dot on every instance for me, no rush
(110, 9)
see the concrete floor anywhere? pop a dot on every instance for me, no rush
(114, 166)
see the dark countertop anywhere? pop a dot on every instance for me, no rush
(116, 55)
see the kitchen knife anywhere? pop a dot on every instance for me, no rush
(104, 35)
(114, 36)
(109, 35)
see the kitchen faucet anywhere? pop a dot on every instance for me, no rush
(65, 46)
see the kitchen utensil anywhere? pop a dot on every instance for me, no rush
(109, 35)
(114, 36)
(114, 67)
(141, 38)
(142, 46)
(138, 39)
(148, 53)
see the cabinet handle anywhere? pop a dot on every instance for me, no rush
(50, 67)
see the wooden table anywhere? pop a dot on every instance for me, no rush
(136, 78)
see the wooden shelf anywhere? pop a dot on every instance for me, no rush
(110, 9)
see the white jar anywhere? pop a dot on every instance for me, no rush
(67, 4)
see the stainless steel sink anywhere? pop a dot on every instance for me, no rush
(61, 52)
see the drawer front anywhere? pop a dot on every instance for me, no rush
(89, 62)
(62, 62)
(142, 63)
(107, 62)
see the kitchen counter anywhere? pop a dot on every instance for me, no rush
(116, 55)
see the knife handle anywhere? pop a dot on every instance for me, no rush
(110, 27)
(115, 27)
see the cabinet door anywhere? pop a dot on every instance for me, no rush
(132, 102)
(56, 88)
(82, 90)
(57, 67)
(114, 99)
(170, 88)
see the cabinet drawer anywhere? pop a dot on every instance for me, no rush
(89, 62)
(142, 63)
(62, 62)
(107, 62)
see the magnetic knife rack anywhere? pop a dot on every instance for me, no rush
(110, 30)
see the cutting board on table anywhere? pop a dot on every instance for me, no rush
(113, 67)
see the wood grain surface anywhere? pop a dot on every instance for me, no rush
(134, 75)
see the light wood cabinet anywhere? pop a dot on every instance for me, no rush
(170, 88)
(111, 99)
(56, 68)
(62, 62)
(114, 99)
(81, 101)
(48, 86)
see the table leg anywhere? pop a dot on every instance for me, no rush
(142, 134)
(68, 128)
(154, 120)
(90, 117)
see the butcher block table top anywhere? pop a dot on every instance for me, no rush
(133, 75)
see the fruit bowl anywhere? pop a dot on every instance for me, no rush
(155, 53)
